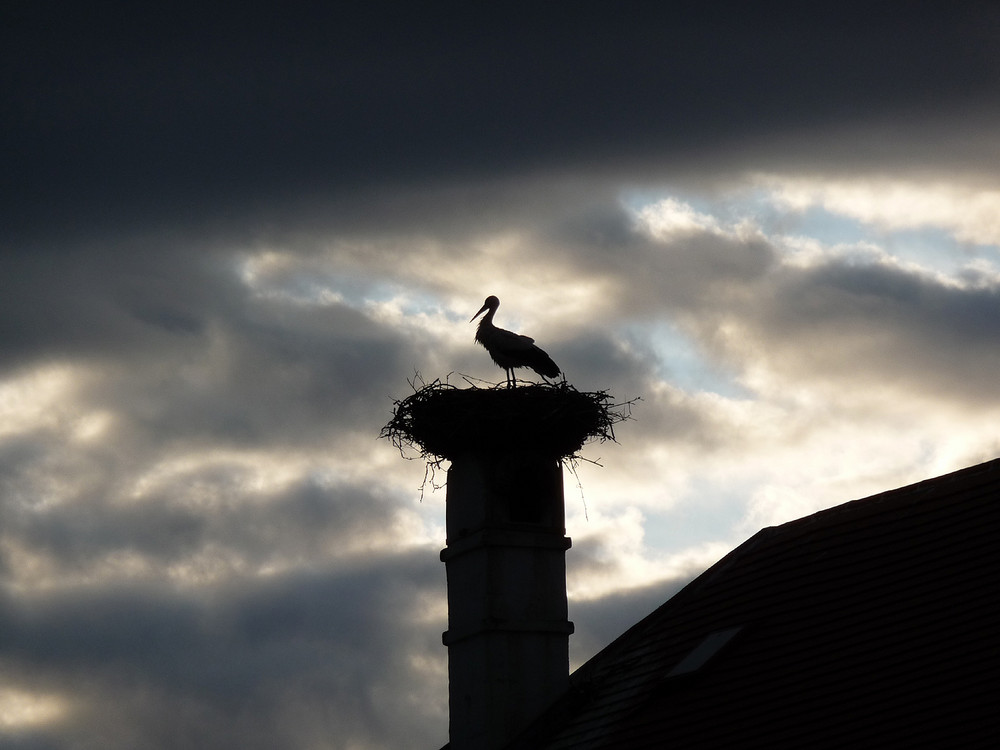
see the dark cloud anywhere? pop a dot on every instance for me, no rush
(138, 294)
(118, 112)
(334, 656)
(195, 645)
(594, 357)
(185, 349)
(208, 513)
(298, 660)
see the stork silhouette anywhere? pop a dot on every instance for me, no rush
(508, 349)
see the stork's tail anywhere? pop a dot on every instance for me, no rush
(542, 363)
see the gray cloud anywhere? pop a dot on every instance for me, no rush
(312, 657)
(650, 275)
(878, 324)
(210, 111)
(205, 512)
(843, 319)
(184, 350)
(594, 359)
(132, 294)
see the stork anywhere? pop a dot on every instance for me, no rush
(508, 349)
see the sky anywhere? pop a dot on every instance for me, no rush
(231, 239)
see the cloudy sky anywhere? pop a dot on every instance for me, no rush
(230, 238)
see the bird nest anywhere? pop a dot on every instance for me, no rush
(552, 420)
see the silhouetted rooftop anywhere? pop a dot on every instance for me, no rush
(871, 624)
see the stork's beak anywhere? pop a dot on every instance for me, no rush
(482, 309)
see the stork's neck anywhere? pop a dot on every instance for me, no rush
(485, 329)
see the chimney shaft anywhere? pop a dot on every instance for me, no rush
(508, 633)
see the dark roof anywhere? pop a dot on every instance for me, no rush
(872, 624)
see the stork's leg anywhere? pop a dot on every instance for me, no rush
(513, 377)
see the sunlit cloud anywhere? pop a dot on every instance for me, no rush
(968, 210)
(670, 216)
(610, 554)
(23, 710)
(40, 398)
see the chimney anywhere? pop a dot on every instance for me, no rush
(508, 633)
(508, 636)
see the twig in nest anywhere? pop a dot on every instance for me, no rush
(554, 420)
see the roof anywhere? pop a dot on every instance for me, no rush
(872, 623)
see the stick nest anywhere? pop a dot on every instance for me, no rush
(554, 420)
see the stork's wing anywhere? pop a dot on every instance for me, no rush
(512, 341)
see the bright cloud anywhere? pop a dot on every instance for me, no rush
(670, 216)
(25, 709)
(970, 211)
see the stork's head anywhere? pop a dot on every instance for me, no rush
(491, 303)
